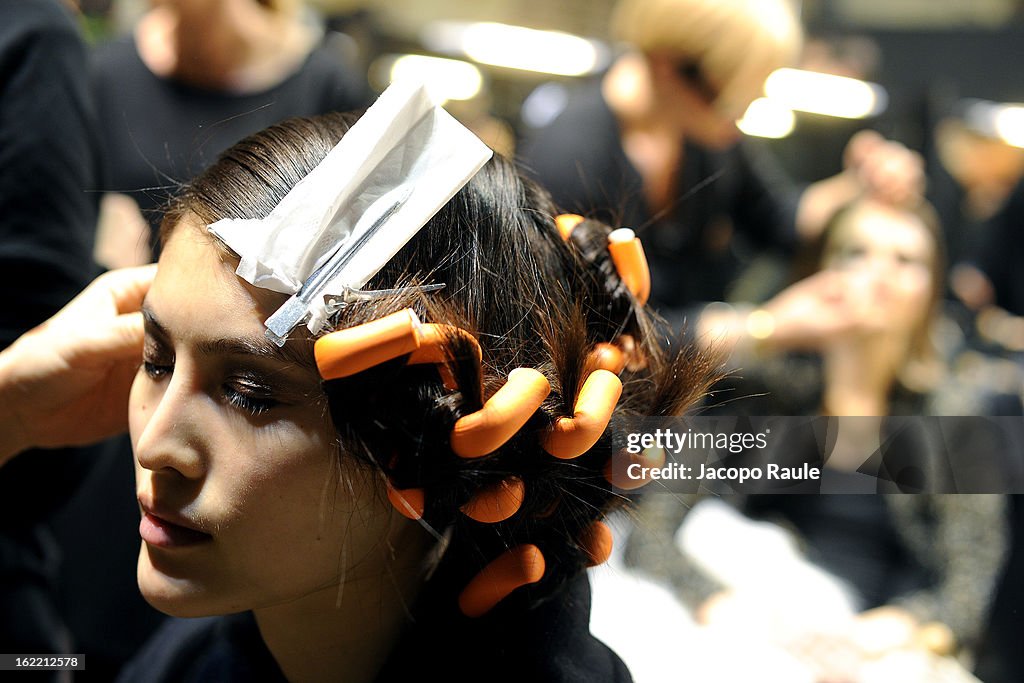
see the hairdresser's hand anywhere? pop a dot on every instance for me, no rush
(887, 170)
(66, 382)
(817, 311)
(808, 315)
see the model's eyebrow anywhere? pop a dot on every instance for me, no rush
(260, 347)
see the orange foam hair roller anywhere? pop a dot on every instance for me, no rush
(617, 469)
(628, 256)
(566, 223)
(512, 569)
(504, 414)
(496, 503)
(350, 351)
(434, 339)
(571, 437)
(597, 543)
(605, 356)
(409, 502)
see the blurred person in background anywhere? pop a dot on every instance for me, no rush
(868, 313)
(193, 78)
(49, 170)
(975, 176)
(921, 570)
(654, 145)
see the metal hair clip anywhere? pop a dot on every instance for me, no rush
(296, 309)
(335, 302)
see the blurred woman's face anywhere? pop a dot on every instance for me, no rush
(887, 257)
(244, 502)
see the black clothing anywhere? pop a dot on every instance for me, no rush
(49, 163)
(1001, 659)
(550, 643)
(158, 133)
(1002, 253)
(579, 158)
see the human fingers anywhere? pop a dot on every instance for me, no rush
(106, 341)
(861, 147)
(128, 286)
(894, 174)
(111, 294)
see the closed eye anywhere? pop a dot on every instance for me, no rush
(155, 371)
(251, 397)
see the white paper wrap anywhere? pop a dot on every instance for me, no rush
(404, 147)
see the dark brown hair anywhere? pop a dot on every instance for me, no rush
(530, 298)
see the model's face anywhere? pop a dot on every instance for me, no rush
(887, 256)
(244, 502)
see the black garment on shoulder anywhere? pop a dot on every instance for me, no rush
(550, 643)
(158, 133)
(1002, 252)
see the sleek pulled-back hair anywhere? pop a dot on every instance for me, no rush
(531, 299)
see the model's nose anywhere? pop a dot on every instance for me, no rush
(167, 436)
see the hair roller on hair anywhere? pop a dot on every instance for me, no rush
(605, 356)
(350, 351)
(566, 223)
(596, 542)
(435, 347)
(503, 414)
(513, 569)
(497, 502)
(409, 502)
(571, 437)
(616, 470)
(630, 262)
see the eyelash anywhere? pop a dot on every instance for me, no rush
(155, 371)
(246, 400)
(249, 402)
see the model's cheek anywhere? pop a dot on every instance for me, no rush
(917, 290)
(269, 480)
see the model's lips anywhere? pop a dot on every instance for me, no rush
(168, 531)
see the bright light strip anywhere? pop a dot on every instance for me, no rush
(446, 79)
(518, 47)
(818, 93)
(996, 120)
(767, 118)
(1009, 124)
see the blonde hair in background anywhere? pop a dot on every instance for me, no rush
(735, 43)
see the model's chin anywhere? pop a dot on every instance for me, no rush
(175, 595)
